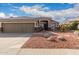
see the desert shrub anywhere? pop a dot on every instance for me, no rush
(74, 25)
(64, 27)
(68, 27)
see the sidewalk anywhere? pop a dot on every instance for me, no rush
(15, 51)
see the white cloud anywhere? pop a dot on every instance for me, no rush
(3, 15)
(60, 15)
(12, 15)
(36, 10)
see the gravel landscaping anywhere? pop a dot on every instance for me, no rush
(38, 41)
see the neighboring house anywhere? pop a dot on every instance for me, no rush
(26, 24)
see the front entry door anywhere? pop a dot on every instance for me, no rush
(46, 26)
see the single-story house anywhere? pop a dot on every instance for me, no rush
(25, 24)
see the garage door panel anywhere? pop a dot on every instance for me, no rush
(18, 27)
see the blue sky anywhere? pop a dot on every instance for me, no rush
(57, 11)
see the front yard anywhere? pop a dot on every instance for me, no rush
(38, 41)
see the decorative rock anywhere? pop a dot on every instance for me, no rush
(77, 38)
(61, 38)
(76, 33)
(51, 38)
(47, 34)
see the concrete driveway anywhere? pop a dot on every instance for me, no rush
(13, 40)
(10, 43)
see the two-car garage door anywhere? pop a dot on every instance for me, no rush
(18, 27)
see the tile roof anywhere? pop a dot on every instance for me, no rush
(25, 18)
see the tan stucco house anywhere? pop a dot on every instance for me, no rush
(26, 24)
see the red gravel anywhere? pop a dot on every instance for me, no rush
(38, 41)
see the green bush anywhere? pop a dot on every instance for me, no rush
(74, 25)
(68, 27)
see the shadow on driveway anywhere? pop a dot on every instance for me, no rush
(15, 34)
